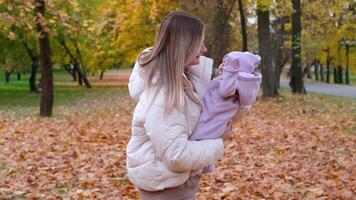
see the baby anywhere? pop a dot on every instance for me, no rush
(234, 89)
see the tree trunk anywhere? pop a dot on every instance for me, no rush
(340, 77)
(328, 63)
(268, 80)
(296, 82)
(221, 30)
(347, 76)
(76, 65)
(102, 75)
(84, 74)
(46, 103)
(78, 72)
(336, 80)
(74, 74)
(347, 71)
(7, 76)
(309, 74)
(277, 76)
(32, 80)
(279, 65)
(327, 74)
(243, 26)
(322, 77)
(34, 66)
(316, 69)
(18, 76)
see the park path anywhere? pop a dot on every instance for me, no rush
(331, 89)
(112, 78)
(120, 77)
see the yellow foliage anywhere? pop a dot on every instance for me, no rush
(288, 26)
(138, 29)
(325, 24)
(12, 36)
(264, 4)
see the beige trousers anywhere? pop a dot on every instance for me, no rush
(185, 191)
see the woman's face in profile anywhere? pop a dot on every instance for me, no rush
(201, 52)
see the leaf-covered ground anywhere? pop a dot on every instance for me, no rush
(300, 147)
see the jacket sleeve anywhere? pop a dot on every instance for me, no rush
(136, 82)
(228, 83)
(169, 138)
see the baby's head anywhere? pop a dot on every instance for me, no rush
(241, 61)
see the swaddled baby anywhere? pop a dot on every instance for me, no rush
(235, 89)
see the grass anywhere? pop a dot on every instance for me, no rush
(352, 79)
(15, 96)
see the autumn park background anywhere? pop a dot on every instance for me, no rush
(65, 112)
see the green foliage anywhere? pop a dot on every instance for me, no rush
(112, 33)
(13, 57)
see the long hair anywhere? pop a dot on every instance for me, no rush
(177, 43)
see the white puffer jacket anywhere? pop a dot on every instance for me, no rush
(159, 154)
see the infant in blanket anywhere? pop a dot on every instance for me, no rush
(235, 89)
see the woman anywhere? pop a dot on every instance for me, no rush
(168, 81)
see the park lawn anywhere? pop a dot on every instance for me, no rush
(16, 92)
(289, 147)
(16, 98)
(352, 79)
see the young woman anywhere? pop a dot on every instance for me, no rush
(168, 81)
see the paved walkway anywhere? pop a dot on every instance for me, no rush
(331, 89)
(121, 76)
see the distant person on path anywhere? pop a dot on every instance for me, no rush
(169, 81)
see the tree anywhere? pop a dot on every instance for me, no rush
(243, 26)
(281, 53)
(104, 32)
(219, 16)
(46, 102)
(296, 76)
(280, 37)
(264, 42)
(324, 25)
(32, 53)
(13, 58)
(71, 33)
(221, 30)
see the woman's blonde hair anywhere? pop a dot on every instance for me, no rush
(178, 42)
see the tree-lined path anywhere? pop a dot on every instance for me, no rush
(336, 90)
